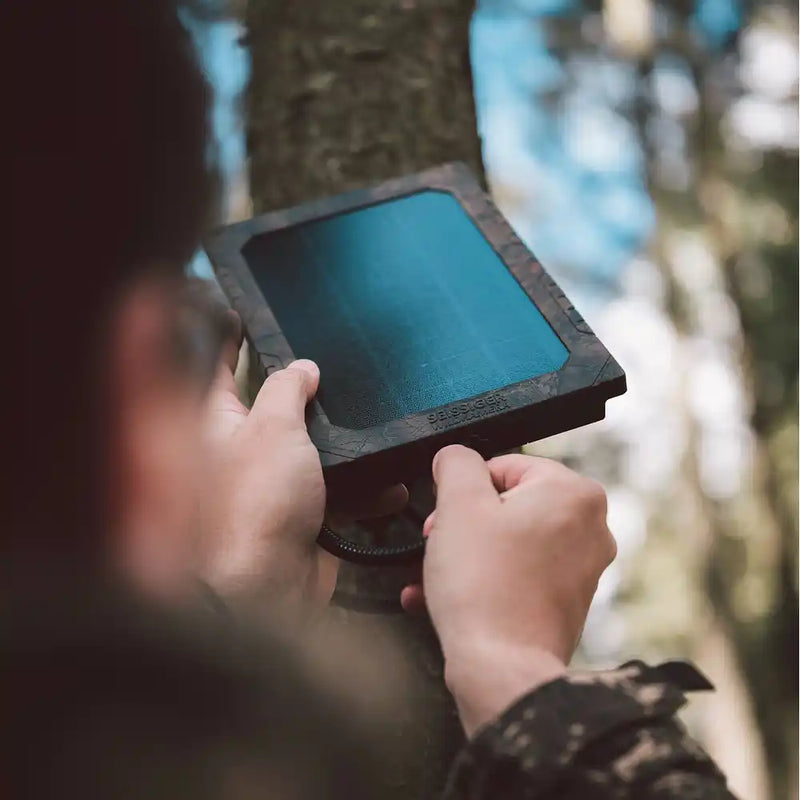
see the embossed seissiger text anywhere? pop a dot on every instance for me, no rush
(469, 410)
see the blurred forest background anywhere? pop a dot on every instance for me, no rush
(647, 152)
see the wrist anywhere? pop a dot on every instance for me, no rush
(486, 676)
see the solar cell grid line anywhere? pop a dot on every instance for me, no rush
(322, 283)
(331, 281)
(446, 292)
(397, 333)
(381, 343)
(473, 321)
(387, 267)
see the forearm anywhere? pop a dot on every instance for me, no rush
(599, 735)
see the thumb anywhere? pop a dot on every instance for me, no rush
(285, 393)
(462, 478)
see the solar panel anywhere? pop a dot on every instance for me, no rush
(404, 305)
(431, 322)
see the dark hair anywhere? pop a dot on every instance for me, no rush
(108, 117)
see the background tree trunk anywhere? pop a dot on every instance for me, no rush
(344, 95)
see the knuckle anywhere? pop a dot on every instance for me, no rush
(549, 469)
(560, 478)
(285, 376)
(593, 496)
(611, 547)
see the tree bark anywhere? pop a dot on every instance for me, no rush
(345, 94)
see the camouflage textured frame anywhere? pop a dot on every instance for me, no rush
(491, 422)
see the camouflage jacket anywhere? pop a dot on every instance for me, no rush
(594, 736)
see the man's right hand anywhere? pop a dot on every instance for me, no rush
(515, 549)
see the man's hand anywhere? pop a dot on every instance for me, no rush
(515, 548)
(265, 496)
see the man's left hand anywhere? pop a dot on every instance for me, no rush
(265, 500)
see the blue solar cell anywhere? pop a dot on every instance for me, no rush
(405, 307)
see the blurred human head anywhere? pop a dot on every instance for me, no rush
(109, 192)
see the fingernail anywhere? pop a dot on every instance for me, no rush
(306, 365)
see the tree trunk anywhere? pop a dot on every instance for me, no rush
(344, 95)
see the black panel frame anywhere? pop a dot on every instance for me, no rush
(401, 449)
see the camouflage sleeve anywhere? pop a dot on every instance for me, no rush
(594, 736)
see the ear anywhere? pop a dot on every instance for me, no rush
(156, 445)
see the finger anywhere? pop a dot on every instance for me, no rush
(327, 572)
(412, 599)
(462, 478)
(389, 501)
(229, 360)
(224, 381)
(428, 524)
(233, 342)
(285, 393)
(510, 470)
